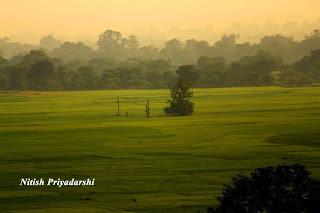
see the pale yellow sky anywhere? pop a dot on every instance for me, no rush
(70, 17)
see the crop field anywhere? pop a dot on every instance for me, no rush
(161, 164)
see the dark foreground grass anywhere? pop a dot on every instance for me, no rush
(162, 164)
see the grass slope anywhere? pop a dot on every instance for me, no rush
(164, 164)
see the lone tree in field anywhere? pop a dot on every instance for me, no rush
(180, 103)
(285, 188)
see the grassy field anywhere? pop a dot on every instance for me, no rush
(164, 164)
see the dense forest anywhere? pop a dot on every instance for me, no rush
(122, 63)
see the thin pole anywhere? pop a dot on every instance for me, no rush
(148, 109)
(118, 106)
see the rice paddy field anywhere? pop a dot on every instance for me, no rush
(161, 164)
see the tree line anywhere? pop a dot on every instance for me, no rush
(113, 44)
(120, 63)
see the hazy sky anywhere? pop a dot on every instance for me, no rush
(71, 17)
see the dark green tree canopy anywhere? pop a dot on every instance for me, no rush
(69, 51)
(40, 74)
(285, 188)
(34, 56)
(188, 73)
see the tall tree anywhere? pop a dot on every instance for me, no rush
(40, 75)
(69, 51)
(34, 56)
(188, 73)
(17, 76)
(49, 42)
(110, 43)
(212, 71)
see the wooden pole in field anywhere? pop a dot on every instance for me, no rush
(148, 109)
(118, 101)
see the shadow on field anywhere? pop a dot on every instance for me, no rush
(304, 139)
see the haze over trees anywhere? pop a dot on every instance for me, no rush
(49, 42)
(9, 49)
(122, 62)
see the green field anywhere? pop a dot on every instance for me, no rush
(164, 164)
